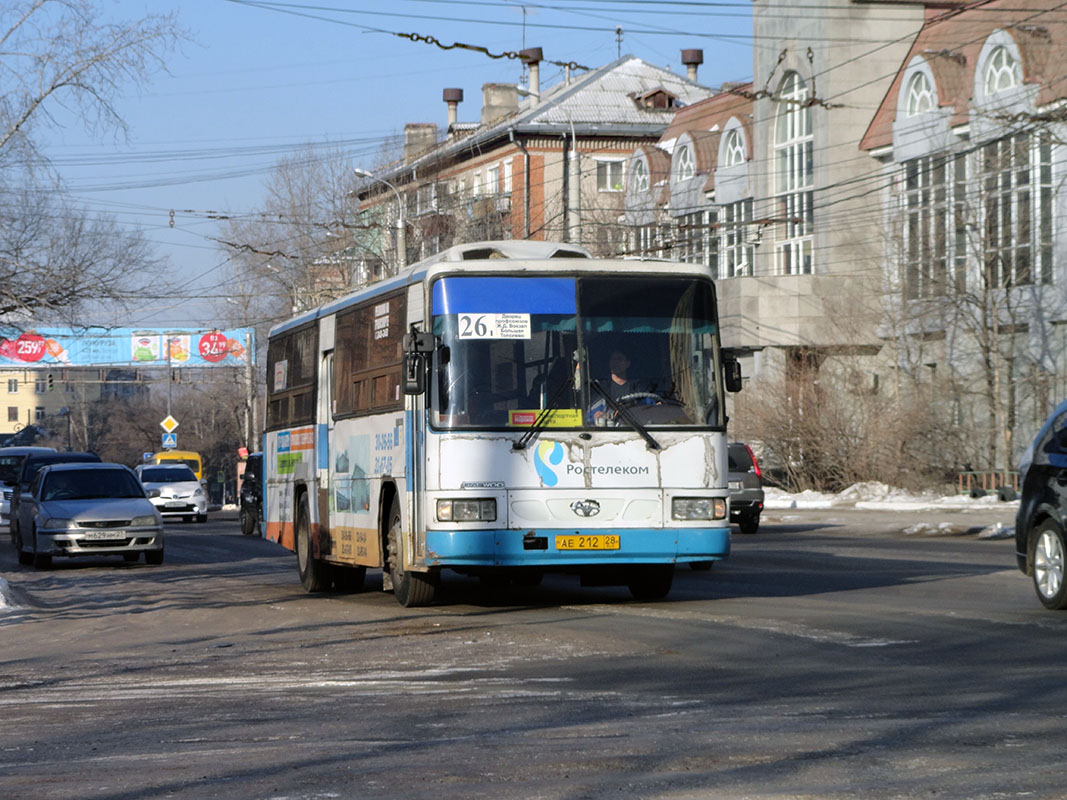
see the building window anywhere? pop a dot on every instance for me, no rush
(692, 239)
(1001, 72)
(40, 385)
(683, 163)
(920, 95)
(935, 225)
(507, 177)
(735, 149)
(1016, 185)
(794, 177)
(738, 250)
(492, 180)
(12, 413)
(638, 177)
(476, 184)
(609, 176)
(38, 413)
(426, 198)
(12, 385)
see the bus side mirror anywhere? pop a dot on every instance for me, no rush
(732, 373)
(414, 373)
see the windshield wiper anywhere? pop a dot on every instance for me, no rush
(542, 418)
(626, 415)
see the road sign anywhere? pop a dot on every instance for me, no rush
(169, 424)
(170, 441)
(147, 457)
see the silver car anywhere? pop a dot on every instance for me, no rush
(174, 491)
(87, 509)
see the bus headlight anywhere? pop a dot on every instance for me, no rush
(480, 510)
(690, 508)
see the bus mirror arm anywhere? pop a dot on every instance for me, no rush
(414, 373)
(417, 342)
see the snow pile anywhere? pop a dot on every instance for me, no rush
(6, 601)
(872, 495)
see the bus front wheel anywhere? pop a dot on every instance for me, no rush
(410, 588)
(650, 581)
(313, 573)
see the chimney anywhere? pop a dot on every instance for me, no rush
(418, 138)
(532, 57)
(453, 97)
(498, 100)
(692, 59)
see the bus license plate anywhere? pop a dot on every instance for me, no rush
(597, 541)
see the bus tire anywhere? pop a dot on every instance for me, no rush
(410, 589)
(650, 581)
(347, 580)
(313, 573)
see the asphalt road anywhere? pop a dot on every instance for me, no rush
(831, 657)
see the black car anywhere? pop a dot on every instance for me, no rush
(28, 470)
(746, 487)
(1040, 548)
(252, 494)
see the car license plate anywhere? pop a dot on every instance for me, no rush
(103, 536)
(175, 504)
(735, 486)
(597, 541)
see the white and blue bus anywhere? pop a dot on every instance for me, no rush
(503, 410)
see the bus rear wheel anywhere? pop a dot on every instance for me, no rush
(313, 573)
(650, 581)
(409, 588)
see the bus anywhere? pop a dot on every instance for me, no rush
(187, 457)
(467, 415)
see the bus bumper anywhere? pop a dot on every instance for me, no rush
(536, 548)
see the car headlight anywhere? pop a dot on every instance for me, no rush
(153, 492)
(698, 508)
(199, 492)
(57, 524)
(483, 510)
(146, 519)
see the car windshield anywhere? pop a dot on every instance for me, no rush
(514, 347)
(167, 475)
(740, 460)
(9, 468)
(90, 484)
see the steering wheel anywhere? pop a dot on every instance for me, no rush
(639, 396)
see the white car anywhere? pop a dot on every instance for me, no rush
(174, 491)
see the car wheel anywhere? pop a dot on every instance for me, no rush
(749, 523)
(1048, 559)
(313, 573)
(201, 518)
(409, 588)
(650, 581)
(25, 556)
(131, 557)
(154, 557)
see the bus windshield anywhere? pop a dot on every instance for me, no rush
(572, 351)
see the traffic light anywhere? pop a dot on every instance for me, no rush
(51, 385)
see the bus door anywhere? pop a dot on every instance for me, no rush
(324, 439)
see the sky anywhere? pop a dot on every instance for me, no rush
(260, 80)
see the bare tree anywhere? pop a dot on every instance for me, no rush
(59, 58)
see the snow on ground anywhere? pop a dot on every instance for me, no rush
(6, 601)
(879, 497)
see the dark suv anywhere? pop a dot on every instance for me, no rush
(1040, 548)
(746, 487)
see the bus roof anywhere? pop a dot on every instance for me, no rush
(512, 255)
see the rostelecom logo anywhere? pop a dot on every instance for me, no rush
(545, 454)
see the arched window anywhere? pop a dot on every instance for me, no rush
(1001, 72)
(920, 95)
(734, 149)
(794, 177)
(639, 177)
(683, 162)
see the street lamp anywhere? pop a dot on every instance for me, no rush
(401, 222)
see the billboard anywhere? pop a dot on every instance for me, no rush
(92, 347)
